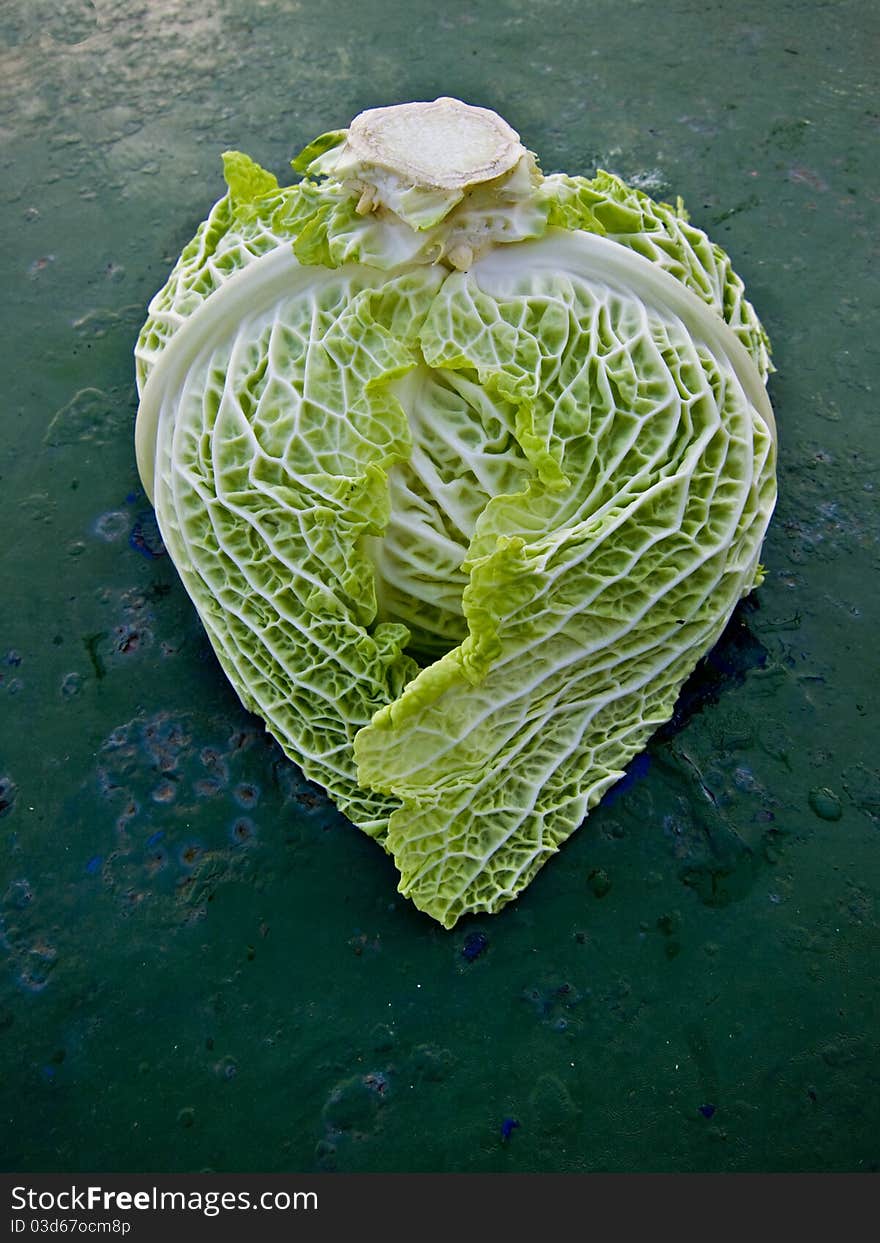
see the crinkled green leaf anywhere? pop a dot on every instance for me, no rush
(255, 217)
(664, 235)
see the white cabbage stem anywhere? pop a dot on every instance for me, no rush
(443, 145)
(455, 176)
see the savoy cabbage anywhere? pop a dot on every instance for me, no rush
(464, 469)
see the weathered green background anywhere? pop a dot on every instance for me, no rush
(205, 967)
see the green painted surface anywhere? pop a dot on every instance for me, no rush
(205, 966)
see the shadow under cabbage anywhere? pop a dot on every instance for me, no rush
(718, 840)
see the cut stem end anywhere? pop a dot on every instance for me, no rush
(443, 145)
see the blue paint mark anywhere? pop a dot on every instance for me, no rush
(637, 769)
(474, 945)
(508, 1126)
(94, 864)
(707, 1110)
(145, 537)
(155, 837)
